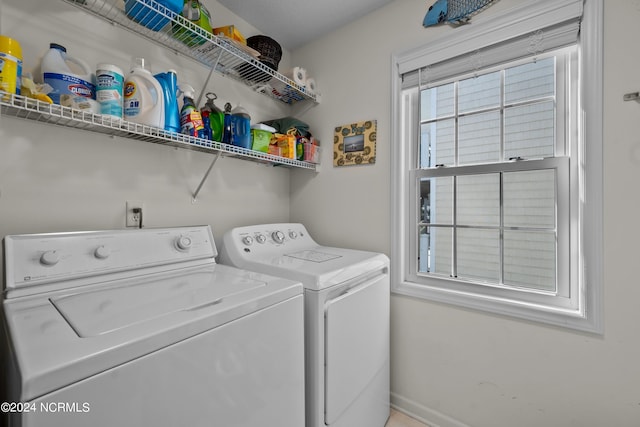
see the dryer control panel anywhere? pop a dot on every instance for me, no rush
(37, 259)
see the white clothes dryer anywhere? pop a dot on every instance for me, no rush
(346, 318)
(143, 328)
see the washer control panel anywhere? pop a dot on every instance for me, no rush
(36, 259)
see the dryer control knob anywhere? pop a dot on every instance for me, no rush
(293, 234)
(50, 258)
(247, 240)
(278, 236)
(183, 243)
(102, 252)
(260, 238)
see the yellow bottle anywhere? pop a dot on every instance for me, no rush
(10, 65)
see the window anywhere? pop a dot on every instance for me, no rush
(489, 168)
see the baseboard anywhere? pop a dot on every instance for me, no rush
(425, 415)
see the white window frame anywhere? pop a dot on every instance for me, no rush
(583, 309)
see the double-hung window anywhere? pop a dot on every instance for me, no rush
(489, 168)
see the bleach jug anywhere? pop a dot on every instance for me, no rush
(190, 118)
(143, 98)
(169, 83)
(240, 127)
(71, 78)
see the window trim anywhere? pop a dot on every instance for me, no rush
(587, 314)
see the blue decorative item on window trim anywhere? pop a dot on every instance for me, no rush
(453, 11)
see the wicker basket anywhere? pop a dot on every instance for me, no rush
(270, 55)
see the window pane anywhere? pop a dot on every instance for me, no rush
(530, 81)
(436, 102)
(479, 92)
(478, 200)
(437, 143)
(529, 199)
(529, 130)
(435, 250)
(479, 138)
(478, 254)
(529, 259)
(436, 197)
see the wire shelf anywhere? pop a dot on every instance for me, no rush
(221, 54)
(31, 109)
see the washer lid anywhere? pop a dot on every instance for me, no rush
(317, 267)
(106, 310)
(66, 336)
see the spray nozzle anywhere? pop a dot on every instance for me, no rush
(187, 91)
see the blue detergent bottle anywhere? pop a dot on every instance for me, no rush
(241, 127)
(169, 83)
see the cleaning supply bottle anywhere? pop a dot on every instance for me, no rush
(71, 78)
(190, 118)
(169, 83)
(206, 122)
(227, 133)
(109, 89)
(10, 65)
(143, 98)
(241, 127)
(216, 117)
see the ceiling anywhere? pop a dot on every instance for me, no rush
(294, 23)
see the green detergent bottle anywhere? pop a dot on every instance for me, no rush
(216, 117)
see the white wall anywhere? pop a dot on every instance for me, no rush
(56, 179)
(456, 367)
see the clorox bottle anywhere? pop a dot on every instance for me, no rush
(143, 97)
(67, 75)
(190, 119)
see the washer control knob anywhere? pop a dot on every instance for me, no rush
(183, 243)
(293, 234)
(278, 236)
(102, 252)
(261, 238)
(50, 258)
(247, 240)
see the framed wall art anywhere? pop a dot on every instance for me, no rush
(355, 144)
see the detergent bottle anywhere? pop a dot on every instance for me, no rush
(71, 78)
(169, 83)
(227, 132)
(240, 127)
(143, 97)
(190, 118)
(216, 117)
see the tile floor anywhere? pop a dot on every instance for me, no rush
(398, 419)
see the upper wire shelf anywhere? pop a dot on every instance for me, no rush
(27, 108)
(182, 36)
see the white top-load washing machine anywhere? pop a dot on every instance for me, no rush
(143, 328)
(346, 318)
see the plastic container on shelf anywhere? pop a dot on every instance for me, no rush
(261, 137)
(240, 127)
(10, 65)
(153, 14)
(109, 89)
(190, 118)
(71, 78)
(169, 83)
(216, 117)
(143, 98)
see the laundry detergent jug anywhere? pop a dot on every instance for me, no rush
(71, 78)
(169, 83)
(143, 97)
(240, 127)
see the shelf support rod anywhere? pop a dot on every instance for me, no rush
(204, 178)
(206, 83)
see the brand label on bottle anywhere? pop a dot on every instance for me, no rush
(131, 102)
(64, 84)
